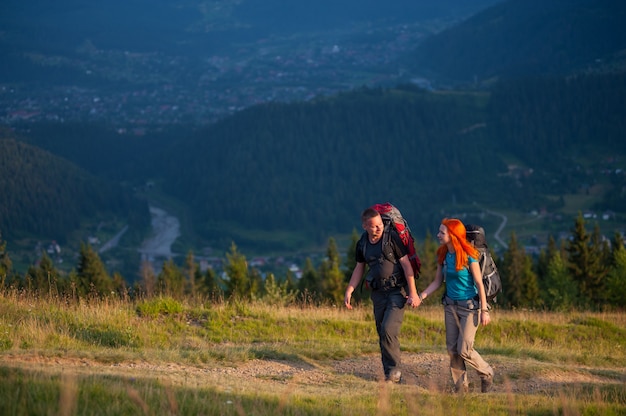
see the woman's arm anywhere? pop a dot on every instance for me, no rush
(478, 281)
(435, 284)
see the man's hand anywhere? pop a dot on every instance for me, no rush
(413, 300)
(346, 299)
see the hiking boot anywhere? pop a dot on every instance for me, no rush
(395, 376)
(486, 384)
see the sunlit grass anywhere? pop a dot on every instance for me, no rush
(163, 356)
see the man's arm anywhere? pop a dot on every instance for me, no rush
(412, 299)
(355, 279)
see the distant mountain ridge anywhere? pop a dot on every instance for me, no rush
(528, 37)
(205, 26)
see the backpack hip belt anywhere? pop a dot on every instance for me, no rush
(387, 283)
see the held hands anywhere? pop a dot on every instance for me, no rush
(413, 300)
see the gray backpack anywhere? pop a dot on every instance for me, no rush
(489, 270)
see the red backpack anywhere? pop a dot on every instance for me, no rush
(392, 217)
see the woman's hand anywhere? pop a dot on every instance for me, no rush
(484, 317)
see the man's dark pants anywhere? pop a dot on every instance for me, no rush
(388, 313)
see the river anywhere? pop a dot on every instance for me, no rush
(165, 231)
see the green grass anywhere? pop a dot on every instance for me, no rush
(166, 356)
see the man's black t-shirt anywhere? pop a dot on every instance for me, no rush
(381, 269)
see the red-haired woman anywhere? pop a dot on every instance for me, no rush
(465, 303)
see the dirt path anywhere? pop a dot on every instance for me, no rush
(426, 371)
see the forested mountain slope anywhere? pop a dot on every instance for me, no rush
(48, 197)
(287, 174)
(525, 38)
(313, 166)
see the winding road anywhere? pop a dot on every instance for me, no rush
(500, 228)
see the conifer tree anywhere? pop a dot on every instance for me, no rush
(292, 281)
(277, 293)
(350, 261)
(601, 261)
(309, 283)
(43, 278)
(428, 257)
(5, 264)
(119, 285)
(92, 277)
(209, 284)
(584, 260)
(513, 265)
(545, 256)
(616, 278)
(559, 292)
(256, 288)
(171, 280)
(530, 286)
(237, 280)
(190, 270)
(617, 243)
(148, 281)
(333, 280)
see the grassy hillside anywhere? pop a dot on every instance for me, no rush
(189, 357)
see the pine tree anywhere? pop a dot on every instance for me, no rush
(171, 280)
(601, 256)
(350, 262)
(616, 278)
(256, 288)
(617, 243)
(5, 264)
(556, 287)
(333, 280)
(559, 291)
(584, 263)
(292, 281)
(309, 283)
(530, 285)
(148, 281)
(209, 284)
(43, 278)
(359, 295)
(545, 256)
(277, 293)
(513, 265)
(120, 286)
(92, 277)
(428, 256)
(190, 271)
(237, 280)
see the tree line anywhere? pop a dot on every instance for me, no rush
(580, 272)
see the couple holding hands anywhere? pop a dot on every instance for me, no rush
(393, 286)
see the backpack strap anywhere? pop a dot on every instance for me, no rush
(387, 248)
(483, 257)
